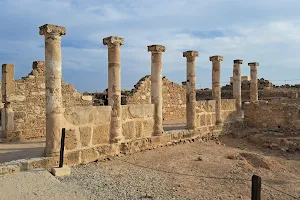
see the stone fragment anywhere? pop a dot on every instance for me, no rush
(61, 171)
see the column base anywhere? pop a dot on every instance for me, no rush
(51, 153)
(191, 127)
(219, 123)
(158, 133)
(118, 139)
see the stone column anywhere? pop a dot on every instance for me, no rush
(253, 81)
(237, 87)
(191, 88)
(216, 88)
(53, 64)
(156, 85)
(8, 90)
(114, 87)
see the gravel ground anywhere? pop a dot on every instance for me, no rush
(144, 175)
(39, 185)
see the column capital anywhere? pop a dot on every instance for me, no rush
(216, 58)
(253, 64)
(238, 61)
(50, 28)
(190, 54)
(113, 40)
(156, 48)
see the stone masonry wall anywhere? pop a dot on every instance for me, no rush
(27, 102)
(206, 116)
(272, 115)
(88, 127)
(174, 97)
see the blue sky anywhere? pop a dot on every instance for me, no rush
(265, 31)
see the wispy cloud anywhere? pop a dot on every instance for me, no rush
(264, 31)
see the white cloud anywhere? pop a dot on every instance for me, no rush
(264, 31)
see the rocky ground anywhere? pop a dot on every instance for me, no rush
(201, 170)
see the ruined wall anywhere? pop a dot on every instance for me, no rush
(174, 97)
(89, 126)
(272, 115)
(27, 117)
(206, 116)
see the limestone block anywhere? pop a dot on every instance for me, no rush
(139, 111)
(139, 128)
(61, 171)
(38, 93)
(148, 126)
(87, 98)
(228, 104)
(12, 98)
(70, 139)
(100, 115)
(197, 120)
(101, 134)
(208, 120)
(103, 150)
(72, 158)
(78, 115)
(128, 129)
(89, 155)
(42, 162)
(211, 106)
(213, 118)
(85, 135)
(203, 120)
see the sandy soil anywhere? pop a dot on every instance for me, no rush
(200, 170)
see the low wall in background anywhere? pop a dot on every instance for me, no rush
(272, 115)
(206, 116)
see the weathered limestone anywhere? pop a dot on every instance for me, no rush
(216, 89)
(156, 85)
(114, 86)
(61, 171)
(253, 81)
(237, 87)
(191, 88)
(8, 88)
(53, 81)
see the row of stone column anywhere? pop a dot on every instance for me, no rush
(237, 84)
(53, 64)
(216, 87)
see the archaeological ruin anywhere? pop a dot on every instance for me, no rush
(156, 112)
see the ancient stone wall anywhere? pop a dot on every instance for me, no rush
(206, 116)
(272, 115)
(89, 126)
(27, 104)
(174, 97)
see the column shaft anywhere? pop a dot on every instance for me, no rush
(156, 86)
(156, 90)
(237, 90)
(53, 64)
(114, 92)
(191, 88)
(53, 93)
(253, 84)
(114, 87)
(216, 88)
